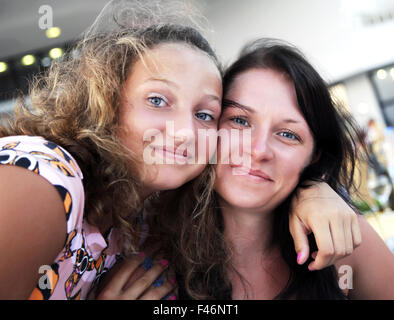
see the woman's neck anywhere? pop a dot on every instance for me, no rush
(247, 231)
(255, 259)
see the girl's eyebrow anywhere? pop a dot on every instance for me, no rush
(173, 84)
(168, 82)
(232, 104)
(214, 97)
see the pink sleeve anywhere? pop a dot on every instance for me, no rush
(53, 163)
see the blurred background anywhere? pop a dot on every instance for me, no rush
(350, 42)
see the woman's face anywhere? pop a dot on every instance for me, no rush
(172, 93)
(263, 101)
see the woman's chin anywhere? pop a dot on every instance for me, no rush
(241, 200)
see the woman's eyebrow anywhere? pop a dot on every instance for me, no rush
(291, 121)
(232, 104)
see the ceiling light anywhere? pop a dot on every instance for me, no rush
(381, 74)
(3, 66)
(28, 60)
(55, 53)
(53, 32)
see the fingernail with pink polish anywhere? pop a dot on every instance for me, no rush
(142, 254)
(172, 298)
(164, 262)
(299, 257)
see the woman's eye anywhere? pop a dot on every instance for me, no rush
(204, 116)
(157, 101)
(240, 121)
(289, 135)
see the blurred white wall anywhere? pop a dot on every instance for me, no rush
(334, 34)
(341, 38)
(362, 100)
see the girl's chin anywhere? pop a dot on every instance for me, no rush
(169, 179)
(164, 185)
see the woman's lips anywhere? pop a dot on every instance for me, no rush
(255, 174)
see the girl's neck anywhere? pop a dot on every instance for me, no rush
(107, 222)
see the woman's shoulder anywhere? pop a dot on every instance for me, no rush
(367, 272)
(371, 243)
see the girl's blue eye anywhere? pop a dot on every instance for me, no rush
(288, 135)
(240, 121)
(204, 116)
(157, 101)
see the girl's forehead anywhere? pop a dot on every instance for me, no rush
(178, 53)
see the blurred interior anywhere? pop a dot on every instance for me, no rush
(348, 41)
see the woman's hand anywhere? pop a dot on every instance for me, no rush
(137, 278)
(319, 209)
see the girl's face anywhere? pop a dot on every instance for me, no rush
(170, 94)
(263, 101)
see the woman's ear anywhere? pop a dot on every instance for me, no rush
(316, 157)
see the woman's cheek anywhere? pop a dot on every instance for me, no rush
(206, 143)
(292, 166)
(230, 146)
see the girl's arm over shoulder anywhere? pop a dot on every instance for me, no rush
(32, 229)
(334, 224)
(372, 266)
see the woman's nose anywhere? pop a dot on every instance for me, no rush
(261, 146)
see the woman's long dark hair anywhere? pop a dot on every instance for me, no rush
(192, 226)
(336, 138)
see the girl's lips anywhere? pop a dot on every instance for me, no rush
(171, 153)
